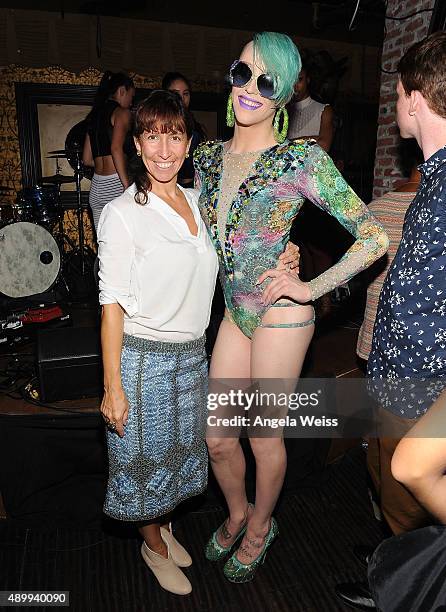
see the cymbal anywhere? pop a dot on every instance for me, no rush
(58, 179)
(66, 152)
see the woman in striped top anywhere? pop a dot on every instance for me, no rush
(108, 143)
(390, 209)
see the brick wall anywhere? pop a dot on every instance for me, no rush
(399, 37)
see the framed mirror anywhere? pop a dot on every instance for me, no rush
(47, 112)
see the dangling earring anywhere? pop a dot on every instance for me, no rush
(230, 117)
(280, 134)
(138, 153)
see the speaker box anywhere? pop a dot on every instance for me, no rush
(69, 363)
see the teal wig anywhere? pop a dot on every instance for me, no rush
(282, 61)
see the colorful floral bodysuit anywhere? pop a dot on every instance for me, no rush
(256, 220)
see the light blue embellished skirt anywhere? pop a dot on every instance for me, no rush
(162, 458)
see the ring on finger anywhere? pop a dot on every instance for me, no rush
(110, 424)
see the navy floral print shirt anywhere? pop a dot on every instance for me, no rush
(409, 337)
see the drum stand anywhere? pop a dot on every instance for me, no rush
(78, 175)
(85, 253)
(78, 259)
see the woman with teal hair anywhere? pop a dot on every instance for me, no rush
(252, 188)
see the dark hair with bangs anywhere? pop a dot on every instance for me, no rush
(163, 112)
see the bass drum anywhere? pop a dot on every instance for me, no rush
(29, 259)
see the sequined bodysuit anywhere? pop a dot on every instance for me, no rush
(249, 203)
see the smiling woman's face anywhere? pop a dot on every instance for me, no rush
(163, 154)
(250, 107)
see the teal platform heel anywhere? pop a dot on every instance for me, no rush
(215, 551)
(235, 571)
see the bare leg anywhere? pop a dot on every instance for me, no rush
(275, 353)
(152, 537)
(230, 359)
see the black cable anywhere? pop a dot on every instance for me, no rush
(399, 19)
(79, 410)
(410, 15)
(25, 396)
(22, 393)
(14, 397)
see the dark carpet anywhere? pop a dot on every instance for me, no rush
(103, 569)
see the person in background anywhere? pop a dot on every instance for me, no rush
(177, 82)
(309, 118)
(406, 572)
(390, 209)
(108, 142)
(419, 460)
(408, 346)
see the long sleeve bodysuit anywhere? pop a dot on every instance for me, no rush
(248, 203)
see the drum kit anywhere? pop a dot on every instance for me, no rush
(33, 244)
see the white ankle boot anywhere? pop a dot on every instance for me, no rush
(180, 556)
(169, 576)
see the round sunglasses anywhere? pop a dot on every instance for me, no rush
(240, 74)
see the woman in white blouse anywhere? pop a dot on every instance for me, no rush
(156, 279)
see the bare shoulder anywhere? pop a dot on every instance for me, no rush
(122, 115)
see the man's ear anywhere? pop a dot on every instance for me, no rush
(414, 102)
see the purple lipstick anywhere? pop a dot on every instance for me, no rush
(249, 103)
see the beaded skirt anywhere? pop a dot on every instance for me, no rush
(162, 458)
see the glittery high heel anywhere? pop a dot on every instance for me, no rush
(236, 571)
(215, 551)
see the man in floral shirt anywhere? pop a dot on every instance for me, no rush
(409, 337)
(407, 362)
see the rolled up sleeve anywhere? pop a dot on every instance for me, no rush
(116, 253)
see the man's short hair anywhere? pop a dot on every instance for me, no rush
(423, 68)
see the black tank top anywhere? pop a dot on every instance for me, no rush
(100, 129)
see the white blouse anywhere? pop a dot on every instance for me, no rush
(161, 275)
